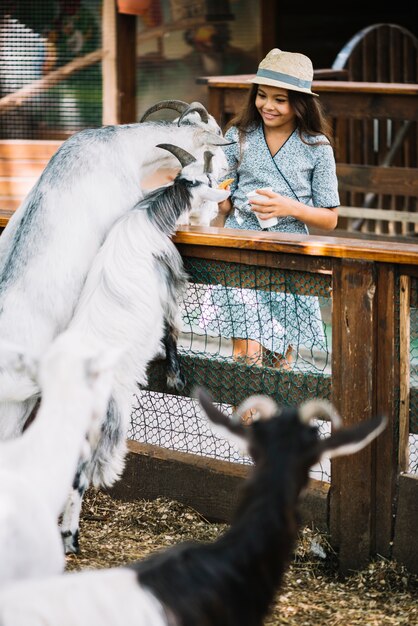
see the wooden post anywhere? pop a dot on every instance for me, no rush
(352, 493)
(118, 65)
(404, 358)
(387, 403)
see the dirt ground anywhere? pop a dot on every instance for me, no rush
(115, 533)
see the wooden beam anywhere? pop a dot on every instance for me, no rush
(352, 520)
(405, 373)
(210, 486)
(109, 78)
(405, 548)
(220, 375)
(119, 65)
(386, 391)
(386, 215)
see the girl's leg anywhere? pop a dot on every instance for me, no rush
(247, 350)
(251, 353)
(274, 359)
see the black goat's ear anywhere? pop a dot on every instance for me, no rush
(220, 420)
(353, 438)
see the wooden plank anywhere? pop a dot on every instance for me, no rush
(262, 278)
(126, 68)
(342, 99)
(352, 512)
(110, 100)
(405, 374)
(239, 81)
(5, 215)
(22, 167)
(219, 375)
(386, 391)
(378, 214)
(384, 180)
(152, 472)
(405, 549)
(316, 265)
(28, 148)
(307, 245)
(16, 186)
(9, 204)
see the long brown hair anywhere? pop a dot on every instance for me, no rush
(310, 116)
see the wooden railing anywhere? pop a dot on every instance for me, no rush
(370, 499)
(370, 504)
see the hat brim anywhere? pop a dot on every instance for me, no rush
(270, 82)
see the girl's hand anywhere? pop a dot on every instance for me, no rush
(274, 205)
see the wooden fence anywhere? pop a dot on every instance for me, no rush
(370, 505)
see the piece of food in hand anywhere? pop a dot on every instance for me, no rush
(225, 183)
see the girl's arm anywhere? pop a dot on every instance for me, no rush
(276, 205)
(224, 209)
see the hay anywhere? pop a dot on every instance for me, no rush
(115, 533)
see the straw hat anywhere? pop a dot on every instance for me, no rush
(290, 70)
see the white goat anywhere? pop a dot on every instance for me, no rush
(191, 113)
(37, 469)
(50, 242)
(131, 301)
(230, 581)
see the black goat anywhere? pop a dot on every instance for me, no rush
(231, 581)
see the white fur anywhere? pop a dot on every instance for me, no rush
(124, 304)
(92, 180)
(102, 598)
(37, 469)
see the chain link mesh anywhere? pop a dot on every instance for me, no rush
(413, 405)
(252, 304)
(37, 38)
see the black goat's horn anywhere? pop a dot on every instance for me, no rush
(207, 161)
(176, 105)
(321, 409)
(264, 408)
(183, 156)
(195, 107)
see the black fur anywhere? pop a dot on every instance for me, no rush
(234, 580)
(170, 267)
(165, 204)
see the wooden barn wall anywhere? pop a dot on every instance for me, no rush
(321, 29)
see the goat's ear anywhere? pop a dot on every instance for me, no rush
(222, 425)
(353, 438)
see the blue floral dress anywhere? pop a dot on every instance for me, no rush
(301, 171)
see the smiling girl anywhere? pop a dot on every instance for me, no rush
(283, 143)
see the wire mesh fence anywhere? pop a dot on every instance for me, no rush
(282, 321)
(413, 406)
(37, 38)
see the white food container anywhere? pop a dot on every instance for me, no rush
(253, 195)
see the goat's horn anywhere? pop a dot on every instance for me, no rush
(264, 408)
(176, 105)
(212, 139)
(321, 409)
(183, 156)
(208, 156)
(195, 107)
